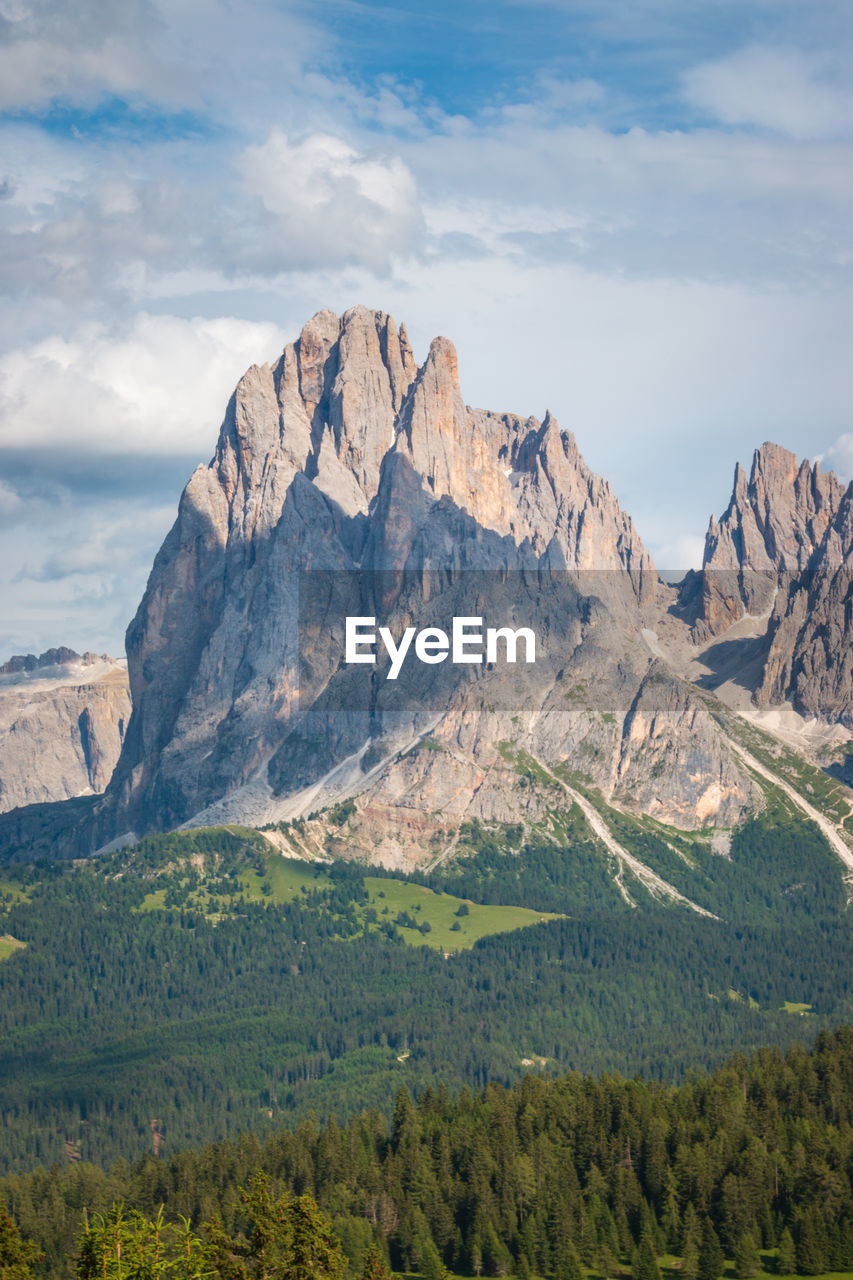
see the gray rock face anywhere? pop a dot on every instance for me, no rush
(775, 522)
(62, 724)
(783, 554)
(810, 637)
(345, 459)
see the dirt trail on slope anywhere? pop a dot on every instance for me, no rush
(837, 843)
(655, 884)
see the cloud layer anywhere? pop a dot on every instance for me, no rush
(631, 214)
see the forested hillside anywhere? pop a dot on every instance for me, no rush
(543, 1178)
(198, 985)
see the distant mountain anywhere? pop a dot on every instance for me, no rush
(776, 522)
(349, 483)
(782, 555)
(62, 722)
(29, 662)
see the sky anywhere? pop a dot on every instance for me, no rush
(636, 213)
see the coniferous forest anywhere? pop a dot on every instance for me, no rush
(211, 1053)
(748, 1167)
(195, 987)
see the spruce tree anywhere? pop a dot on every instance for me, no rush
(374, 1267)
(568, 1264)
(711, 1258)
(811, 1244)
(746, 1258)
(786, 1260)
(644, 1264)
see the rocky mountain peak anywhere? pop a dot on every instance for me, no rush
(327, 408)
(776, 520)
(343, 455)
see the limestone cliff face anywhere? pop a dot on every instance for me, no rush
(348, 466)
(775, 522)
(349, 481)
(518, 477)
(62, 724)
(783, 554)
(810, 654)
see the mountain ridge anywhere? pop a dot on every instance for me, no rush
(346, 458)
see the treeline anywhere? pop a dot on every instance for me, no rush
(779, 868)
(542, 1178)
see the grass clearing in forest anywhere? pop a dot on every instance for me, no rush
(392, 899)
(452, 923)
(282, 880)
(12, 893)
(9, 945)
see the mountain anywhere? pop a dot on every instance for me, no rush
(350, 483)
(62, 724)
(810, 654)
(781, 558)
(345, 459)
(776, 522)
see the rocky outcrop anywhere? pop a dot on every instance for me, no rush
(810, 651)
(29, 662)
(780, 559)
(776, 520)
(62, 724)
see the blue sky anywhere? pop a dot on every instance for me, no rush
(636, 214)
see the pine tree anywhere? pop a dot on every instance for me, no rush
(606, 1261)
(374, 1267)
(568, 1264)
(811, 1245)
(746, 1258)
(711, 1259)
(428, 1258)
(690, 1259)
(786, 1261)
(644, 1264)
(315, 1254)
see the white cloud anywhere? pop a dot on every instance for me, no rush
(74, 572)
(839, 457)
(782, 89)
(332, 205)
(208, 56)
(161, 388)
(54, 50)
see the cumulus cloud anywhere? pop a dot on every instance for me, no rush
(332, 205)
(782, 89)
(159, 388)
